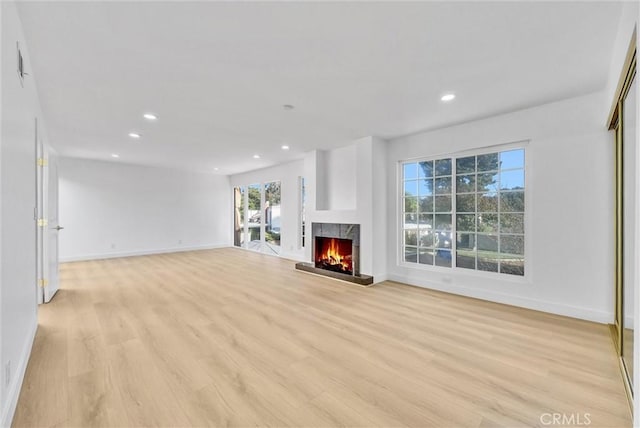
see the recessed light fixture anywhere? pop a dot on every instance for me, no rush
(134, 135)
(288, 107)
(215, 169)
(285, 147)
(114, 155)
(256, 156)
(150, 116)
(448, 97)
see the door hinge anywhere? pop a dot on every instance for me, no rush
(43, 282)
(42, 222)
(42, 162)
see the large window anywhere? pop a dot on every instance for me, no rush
(486, 217)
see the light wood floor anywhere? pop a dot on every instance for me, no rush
(232, 338)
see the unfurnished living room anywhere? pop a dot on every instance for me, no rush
(319, 214)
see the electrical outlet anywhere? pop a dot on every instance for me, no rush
(179, 241)
(113, 246)
(7, 374)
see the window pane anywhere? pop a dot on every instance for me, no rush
(426, 204)
(411, 237)
(443, 185)
(410, 219)
(411, 188)
(488, 162)
(426, 220)
(410, 254)
(426, 187)
(426, 256)
(467, 164)
(512, 244)
(442, 222)
(466, 254)
(512, 180)
(487, 183)
(466, 223)
(426, 237)
(488, 222)
(411, 205)
(513, 266)
(442, 240)
(410, 171)
(466, 242)
(443, 167)
(487, 243)
(443, 258)
(466, 203)
(466, 260)
(512, 223)
(465, 183)
(425, 169)
(512, 202)
(443, 204)
(488, 202)
(488, 262)
(512, 159)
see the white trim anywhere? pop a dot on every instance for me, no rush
(13, 392)
(510, 299)
(115, 255)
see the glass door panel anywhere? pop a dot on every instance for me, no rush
(272, 221)
(629, 171)
(254, 217)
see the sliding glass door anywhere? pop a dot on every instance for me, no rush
(623, 120)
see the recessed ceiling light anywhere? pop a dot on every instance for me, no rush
(285, 147)
(448, 97)
(215, 169)
(114, 155)
(134, 135)
(150, 116)
(288, 107)
(256, 156)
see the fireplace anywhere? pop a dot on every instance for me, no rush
(335, 252)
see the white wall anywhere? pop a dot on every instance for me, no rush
(571, 195)
(288, 175)
(18, 308)
(111, 209)
(340, 167)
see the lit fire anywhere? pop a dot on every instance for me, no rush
(334, 254)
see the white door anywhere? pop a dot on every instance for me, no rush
(48, 223)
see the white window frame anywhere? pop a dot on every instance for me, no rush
(528, 274)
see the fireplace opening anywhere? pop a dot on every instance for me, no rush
(334, 254)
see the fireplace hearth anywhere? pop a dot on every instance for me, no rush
(336, 252)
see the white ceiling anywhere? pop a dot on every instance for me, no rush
(217, 74)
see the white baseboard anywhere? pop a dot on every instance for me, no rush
(13, 392)
(115, 255)
(507, 299)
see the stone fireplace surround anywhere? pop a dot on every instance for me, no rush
(341, 231)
